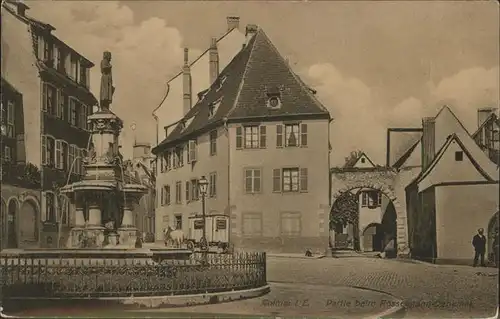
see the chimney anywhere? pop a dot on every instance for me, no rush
(213, 61)
(233, 23)
(251, 29)
(186, 82)
(428, 141)
(21, 8)
(483, 113)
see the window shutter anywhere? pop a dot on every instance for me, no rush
(257, 181)
(303, 135)
(162, 196)
(55, 54)
(67, 64)
(279, 135)
(248, 181)
(59, 104)
(44, 96)
(276, 180)
(83, 116)
(87, 78)
(58, 153)
(239, 137)
(303, 179)
(262, 136)
(192, 151)
(162, 165)
(188, 187)
(44, 150)
(40, 47)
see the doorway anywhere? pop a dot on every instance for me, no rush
(373, 238)
(28, 233)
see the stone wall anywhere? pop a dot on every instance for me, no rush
(382, 179)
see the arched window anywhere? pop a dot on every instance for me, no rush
(50, 207)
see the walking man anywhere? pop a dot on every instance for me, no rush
(479, 243)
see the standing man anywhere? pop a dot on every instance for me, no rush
(479, 243)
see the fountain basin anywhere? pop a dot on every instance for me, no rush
(134, 188)
(89, 185)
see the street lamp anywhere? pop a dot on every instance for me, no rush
(202, 184)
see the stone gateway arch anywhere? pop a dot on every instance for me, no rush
(379, 180)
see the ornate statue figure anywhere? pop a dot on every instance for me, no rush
(110, 154)
(91, 158)
(107, 88)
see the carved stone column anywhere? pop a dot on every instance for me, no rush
(95, 229)
(79, 217)
(128, 230)
(77, 232)
(95, 216)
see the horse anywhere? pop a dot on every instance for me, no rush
(176, 236)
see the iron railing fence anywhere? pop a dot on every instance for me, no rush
(23, 277)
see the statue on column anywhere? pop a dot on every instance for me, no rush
(107, 88)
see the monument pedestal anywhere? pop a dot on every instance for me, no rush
(76, 236)
(77, 233)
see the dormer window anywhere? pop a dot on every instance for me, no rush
(182, 125)
(220, 82)
(273, 98)
(202, 94)
(213, 107)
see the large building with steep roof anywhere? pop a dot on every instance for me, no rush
(261, 139)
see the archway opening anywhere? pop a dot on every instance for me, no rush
(11, 224)
(363, 219)
(28, 230)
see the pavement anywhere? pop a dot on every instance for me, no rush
(428, 290)
(284, 300)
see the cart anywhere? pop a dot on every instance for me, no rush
(217, 233)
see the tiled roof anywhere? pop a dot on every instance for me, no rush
(406, 155)
(41, 25)
(202, 54)
(257, 69)
(7, 86)
(401, 140)
(487, 171)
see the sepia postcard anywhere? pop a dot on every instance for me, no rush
(249, 159)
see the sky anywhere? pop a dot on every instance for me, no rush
(374, 64)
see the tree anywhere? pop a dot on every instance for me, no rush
(345, 209)
(351, 159)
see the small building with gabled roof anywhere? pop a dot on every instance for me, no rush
(261, 138)
(455, 193)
